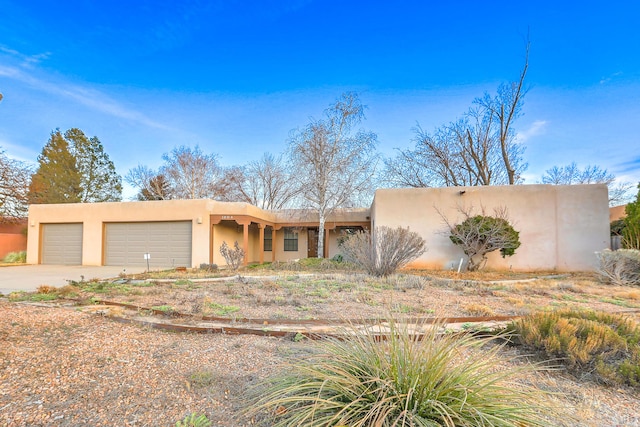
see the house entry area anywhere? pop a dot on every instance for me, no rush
(312, 243)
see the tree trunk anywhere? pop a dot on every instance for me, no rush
(321, 236)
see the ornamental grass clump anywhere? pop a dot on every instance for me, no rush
(400, 379)
(588, 342)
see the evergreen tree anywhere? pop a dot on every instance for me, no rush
(99, 181)
(57, 179)
(72, 169)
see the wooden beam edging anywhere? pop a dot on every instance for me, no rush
(314, 322)
(265, 332)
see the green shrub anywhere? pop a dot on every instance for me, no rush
(631, 231)
(220, 309)
(194, 420)
(403, 380)
(480, 234)
(15, 257)
(607, 345)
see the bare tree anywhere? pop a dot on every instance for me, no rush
(384, 252)
(504, 109)
(150, 184)
(479, 149)
(333, 163)
(265, 183)
(480, 234)
(14, 188)
(572, 174)
(192, 174)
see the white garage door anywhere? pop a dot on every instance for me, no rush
(62, 244)
(167, 243)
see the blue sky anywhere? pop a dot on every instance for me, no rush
(236, 76)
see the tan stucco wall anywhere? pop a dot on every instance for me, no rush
(617, 212)
(283, 255)
(560, 226)
(94, 215)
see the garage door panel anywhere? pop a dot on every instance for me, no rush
(62, 244)
(168, 243)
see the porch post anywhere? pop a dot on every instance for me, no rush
(273, 244)
(261, 228)
(245, 243)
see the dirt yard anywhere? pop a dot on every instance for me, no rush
(67, 362)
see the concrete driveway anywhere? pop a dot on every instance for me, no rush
(29, 277)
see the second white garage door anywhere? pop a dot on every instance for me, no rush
(167, 243)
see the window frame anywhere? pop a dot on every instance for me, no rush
(268, 239)
(290, 240)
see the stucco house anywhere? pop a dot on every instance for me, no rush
(560, 228)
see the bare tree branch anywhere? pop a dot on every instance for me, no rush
(14, 188)
(334, 164)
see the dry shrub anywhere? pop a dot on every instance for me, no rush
(587, 342)
(234, 257)
(479, 310)
(384, 252)
(633, 295)
(46, 289)
(621, 267)
(68, 291)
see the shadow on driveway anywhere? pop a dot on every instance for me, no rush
(29, 277)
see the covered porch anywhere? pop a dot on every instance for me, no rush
(267, 241)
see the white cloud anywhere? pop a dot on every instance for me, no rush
(537, 128)
(88, 97)
(607, 79)
(26, 60)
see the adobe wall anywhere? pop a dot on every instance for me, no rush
(12, 238)
(93, 215)
(617, 212)
(560, 226)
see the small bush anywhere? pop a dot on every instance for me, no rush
(607, 345)
(234, 257)
(15, 257)
(479, 235)
(402, 380)
(384, 252)
(46, 289)
(621, 267)
(208, 267)
(194, 420)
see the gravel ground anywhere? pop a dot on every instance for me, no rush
(63, 367)
(60, 367)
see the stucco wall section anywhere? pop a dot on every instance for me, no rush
(94, 215)
(560, 226)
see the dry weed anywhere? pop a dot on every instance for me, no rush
(479, 310)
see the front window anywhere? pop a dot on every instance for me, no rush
(268, 239)
(290, 240)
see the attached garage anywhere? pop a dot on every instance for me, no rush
(62, 244)
(168, 244)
